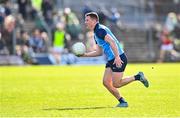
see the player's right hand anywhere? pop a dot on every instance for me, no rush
(80, 55)
(118, 62)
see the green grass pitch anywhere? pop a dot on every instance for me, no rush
(77, 91)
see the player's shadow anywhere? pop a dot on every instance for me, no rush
(76, 108)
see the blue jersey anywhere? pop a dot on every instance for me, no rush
(100, 31)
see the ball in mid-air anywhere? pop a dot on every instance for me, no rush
(78, 48)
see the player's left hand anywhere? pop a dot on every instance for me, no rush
(118, 62)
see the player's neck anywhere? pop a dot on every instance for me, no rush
(95, 26)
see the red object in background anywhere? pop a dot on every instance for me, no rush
(166, 40)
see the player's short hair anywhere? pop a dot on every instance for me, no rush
(93, 15)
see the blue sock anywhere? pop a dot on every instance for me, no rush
(137, 77)
(121, 100)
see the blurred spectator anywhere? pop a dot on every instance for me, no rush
(176, 33)
(102, 17)
(19, 21)
(37, 4)
(2, 49)
(7, 35)
(72, 23)
(170, 22)
(58, 42)
(7, 6)
(18, 43)
(86, 9)
(47, 9)
(46, 41)
(36, 42)
(22, 47)
(2, 15)
(58, 17)
(36, 7)
(115, 17)
(22, 8)
(166, 46)
(4, 11)
(177, 27)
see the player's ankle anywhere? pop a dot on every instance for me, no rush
(137, 77)
(121, 100)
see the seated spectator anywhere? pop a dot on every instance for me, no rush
(22, 47)
(46, 42)
(7, 35)
(2, 15)
(72, 23)
(18, 43)
(176, 34)
(47, 9)
(166, 46)
(36, 42)
(171, 21)
(22, 8)
(7, 7)
(36, 8)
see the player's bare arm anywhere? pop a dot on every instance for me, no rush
(96, 52)
(112, 43)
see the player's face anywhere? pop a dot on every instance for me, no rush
(89, 22)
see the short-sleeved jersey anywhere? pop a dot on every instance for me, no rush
(100, 31)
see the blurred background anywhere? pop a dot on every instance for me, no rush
(43, 31)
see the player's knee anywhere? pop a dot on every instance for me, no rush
(106, 83)
(116, 85)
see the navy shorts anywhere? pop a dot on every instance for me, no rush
(113, 67)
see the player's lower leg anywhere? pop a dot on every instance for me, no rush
(117, 83)
(115, 93)
(124, 82)
(112, 90)
(107, 82)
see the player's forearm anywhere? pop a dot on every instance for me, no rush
(92, 54)
(114, 48)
